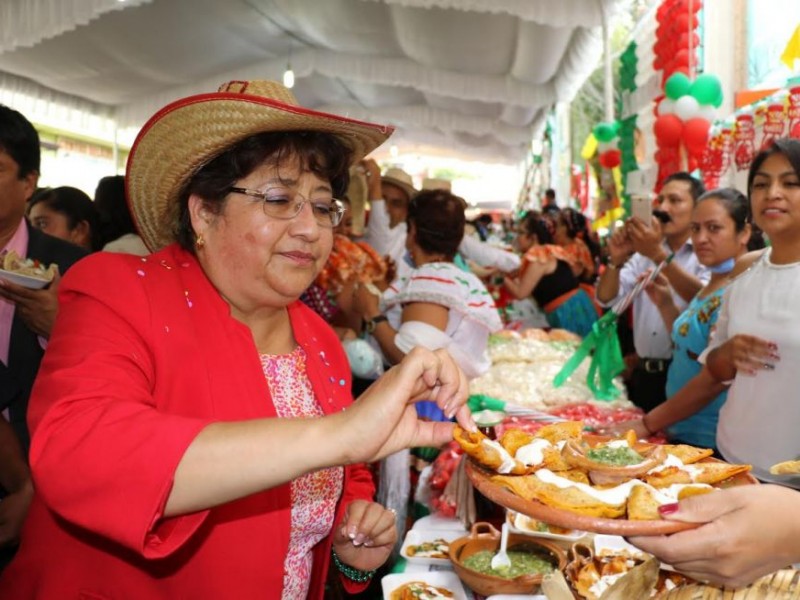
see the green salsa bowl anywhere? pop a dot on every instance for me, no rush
(471, 554)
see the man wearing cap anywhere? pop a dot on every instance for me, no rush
(386, 231)
(389, 196)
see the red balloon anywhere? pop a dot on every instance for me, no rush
(795, 133)
(695, 135)
(683, 40)
(684, 23)
(684, 70)
(681, 58)
(613, 158)
(668, 130)
(691, 5)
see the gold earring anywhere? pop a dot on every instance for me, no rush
(200, 242)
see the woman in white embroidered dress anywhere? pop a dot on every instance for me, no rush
(436, 305)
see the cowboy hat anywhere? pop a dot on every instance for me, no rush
(185, 135)
(401, 179)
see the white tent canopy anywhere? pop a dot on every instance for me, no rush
(467, 77)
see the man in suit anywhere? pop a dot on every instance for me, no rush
(26, 316)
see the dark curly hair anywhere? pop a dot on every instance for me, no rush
(438, 219)
(536, 224)
(323, 154)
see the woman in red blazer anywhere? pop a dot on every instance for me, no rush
(189, 422)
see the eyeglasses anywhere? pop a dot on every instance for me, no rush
(280, 203)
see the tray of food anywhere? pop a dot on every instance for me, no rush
(562, 476)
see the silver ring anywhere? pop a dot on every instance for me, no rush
(393, 511)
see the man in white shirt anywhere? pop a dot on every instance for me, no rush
(386, 231)
(632, 251)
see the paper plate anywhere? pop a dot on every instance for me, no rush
(23, 280)
(441, 579)
(418, 536)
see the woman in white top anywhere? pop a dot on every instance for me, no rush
(753, 530)
(435, 305)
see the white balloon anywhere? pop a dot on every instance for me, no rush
(686, 107)
(666, 106)
(707, 112)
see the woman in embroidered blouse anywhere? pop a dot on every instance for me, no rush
(189, 432)
(436, 305)
(547, 275)
(721, 233)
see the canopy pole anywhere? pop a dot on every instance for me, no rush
(608, 78)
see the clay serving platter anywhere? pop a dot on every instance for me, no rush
(481, 479)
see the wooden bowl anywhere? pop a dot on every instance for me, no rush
(484, 536)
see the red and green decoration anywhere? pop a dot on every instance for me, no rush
(608, 153)
(685, 115)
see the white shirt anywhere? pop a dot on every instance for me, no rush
(759, 423)
(130, 243)
(386, 240)
(391, 241)
(471, 318)
(651, 338)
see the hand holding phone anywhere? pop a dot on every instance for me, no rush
(642, 209)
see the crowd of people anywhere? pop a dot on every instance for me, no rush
(179, 420)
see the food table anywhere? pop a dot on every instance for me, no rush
(523, 367)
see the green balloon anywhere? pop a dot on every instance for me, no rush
(718, 100)
(706, 89)
(677, 85)
(604, 132)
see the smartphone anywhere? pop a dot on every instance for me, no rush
(642, 209)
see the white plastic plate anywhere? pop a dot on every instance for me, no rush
(512, 517)
(23, 280)
(442, 579)
(418, 536)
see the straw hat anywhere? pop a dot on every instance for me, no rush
(185, 135)
(401, 179)
(435, 183)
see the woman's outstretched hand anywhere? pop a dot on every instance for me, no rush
(747, 532)
(384, 420)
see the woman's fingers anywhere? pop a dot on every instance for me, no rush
(369, 523)
(751, 354)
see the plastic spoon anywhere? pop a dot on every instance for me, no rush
(500, 561)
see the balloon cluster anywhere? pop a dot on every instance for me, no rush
(676, 37)
(608, 153)
(684, 118)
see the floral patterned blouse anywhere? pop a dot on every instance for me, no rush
(314, 495)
